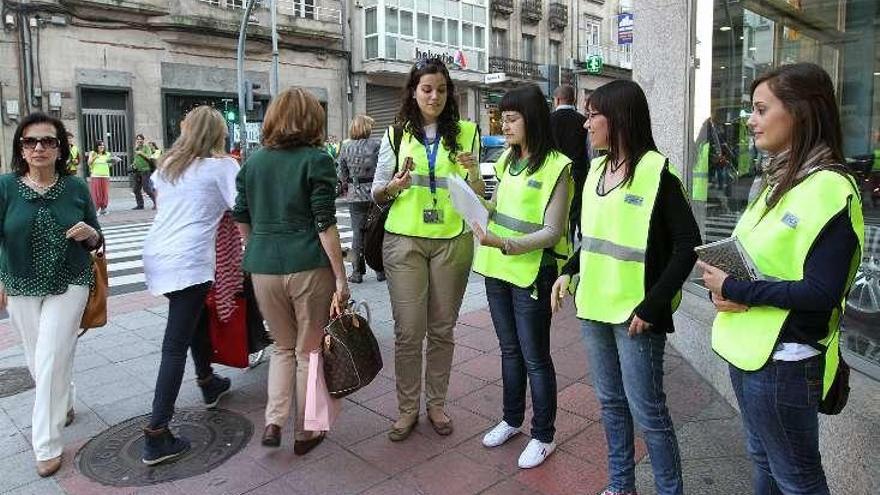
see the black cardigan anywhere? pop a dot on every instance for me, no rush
(672, 236)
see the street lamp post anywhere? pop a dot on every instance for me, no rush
(242, 109)
(273, 78)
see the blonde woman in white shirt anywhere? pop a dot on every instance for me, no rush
(195, 184)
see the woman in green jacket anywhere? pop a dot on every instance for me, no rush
(47, 228)
(286, 211)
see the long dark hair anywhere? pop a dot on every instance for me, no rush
(807, 93)
(409, 117)
(625, 107)
(19, 165)
(529, 101)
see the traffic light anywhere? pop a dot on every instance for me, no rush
(231, 116)
(249, 88)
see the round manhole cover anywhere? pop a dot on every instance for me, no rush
(114, 457)
(15, 381)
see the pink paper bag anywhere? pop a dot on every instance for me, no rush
(321, 408)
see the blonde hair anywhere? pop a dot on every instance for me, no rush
(361, 127)
(202, 135)
(294, 118)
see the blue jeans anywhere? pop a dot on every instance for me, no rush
(780, 411)
(186, 329)
(628, 378)
(523, 328)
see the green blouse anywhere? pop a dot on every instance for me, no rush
(36, 259)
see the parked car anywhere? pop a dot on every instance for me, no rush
(863, 302)
(490, 150)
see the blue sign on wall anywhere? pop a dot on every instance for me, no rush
(625, 28)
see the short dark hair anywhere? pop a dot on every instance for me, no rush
(19, 165)
(140, 136)
(625, 107)
(529, 101)
(565, 93)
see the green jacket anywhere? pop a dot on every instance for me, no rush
(17, 220)
(141, 164)
(287, 197)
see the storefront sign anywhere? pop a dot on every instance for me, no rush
(625, 28)
(455, 59)
(254, 131)
(496, 77)
(594, 64)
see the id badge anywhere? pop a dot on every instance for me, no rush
(432, 215)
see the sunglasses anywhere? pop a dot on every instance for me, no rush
(424, 62)
(47, 142)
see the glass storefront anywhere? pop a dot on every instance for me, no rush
(743, 40)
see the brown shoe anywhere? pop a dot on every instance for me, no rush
(402, 428)
(302, 447)
(71, 415)
(272, 436)
(49, 467)
(443, 426)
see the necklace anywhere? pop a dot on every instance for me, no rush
(39, 187)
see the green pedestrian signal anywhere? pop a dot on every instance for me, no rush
(231, 116)
(594, 64)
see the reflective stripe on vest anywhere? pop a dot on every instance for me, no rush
(615, 229)
(779, 244)
(406, 216)
(521, 203)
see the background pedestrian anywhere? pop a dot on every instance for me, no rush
(571, 138)
(142, 168)
(99, 176)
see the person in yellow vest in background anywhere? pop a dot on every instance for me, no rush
(638, 249)
(428, 249)
(156, 156)
(805, 233)
(519, 256)
(99, 176)
(73, 161)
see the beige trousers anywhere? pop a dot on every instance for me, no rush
(48, 326)
(426, 279)
(297, 308)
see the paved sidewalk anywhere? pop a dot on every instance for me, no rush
(116, 368)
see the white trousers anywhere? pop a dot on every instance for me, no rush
(48, 327)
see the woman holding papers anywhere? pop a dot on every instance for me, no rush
(519, 256)
(428, 249)
(805, 233)
(638, 248)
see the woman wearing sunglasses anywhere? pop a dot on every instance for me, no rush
(48, 228)
(428, 249)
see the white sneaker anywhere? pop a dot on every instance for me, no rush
(535, 453)
(500, 434)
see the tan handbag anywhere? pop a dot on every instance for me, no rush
(95, 314)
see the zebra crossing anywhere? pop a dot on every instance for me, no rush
(125, 245)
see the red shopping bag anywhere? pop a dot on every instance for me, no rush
(229, 339)
(321, 408)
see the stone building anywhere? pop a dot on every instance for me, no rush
(115, 68)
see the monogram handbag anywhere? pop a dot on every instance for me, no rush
(95, 314)
(350, 352)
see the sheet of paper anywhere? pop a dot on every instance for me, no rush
(467, 203)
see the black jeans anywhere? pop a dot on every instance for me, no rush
(141, 182)
(522, 324)
(358, 211)
(187, 328)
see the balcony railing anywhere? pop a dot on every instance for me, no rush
(532, 11)
(611, 55)
(502, 7)
(515, 68)
(557, 16)
(306, 9)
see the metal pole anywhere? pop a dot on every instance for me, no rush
(239, 63)
(273, 78)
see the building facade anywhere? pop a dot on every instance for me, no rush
(112, 69)
(696, 60)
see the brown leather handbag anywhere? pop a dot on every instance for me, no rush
(95, 314)
(351, 353)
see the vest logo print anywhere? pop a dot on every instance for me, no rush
(634, 200)
(535, 184)
(790, 220)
